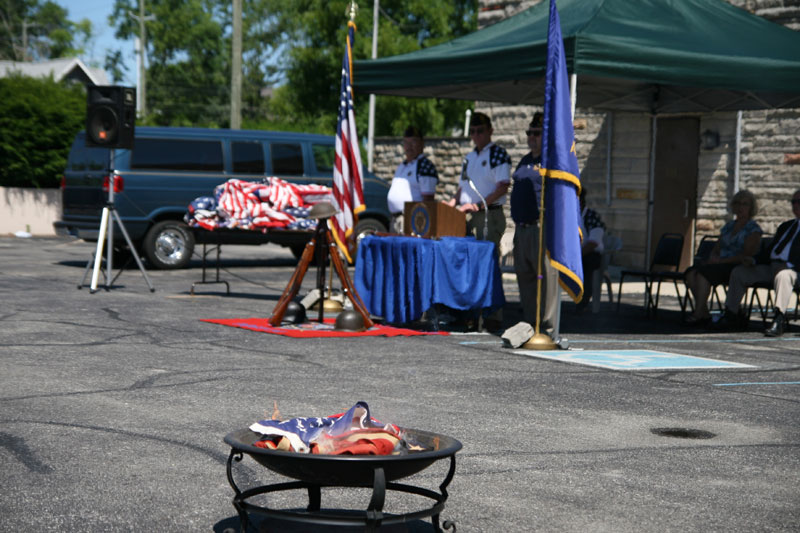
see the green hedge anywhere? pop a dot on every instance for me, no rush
(38, 122)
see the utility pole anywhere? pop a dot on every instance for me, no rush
(140, 93)
(25, 25)
(371, 123)
(24, 40)
(236, 67)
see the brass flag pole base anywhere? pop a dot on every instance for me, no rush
(329, 306)
(540, 341)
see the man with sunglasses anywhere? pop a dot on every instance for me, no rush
(482, 192)
(525, 202)
(781, 270)
(487, 169)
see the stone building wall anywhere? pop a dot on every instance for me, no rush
(620, 192)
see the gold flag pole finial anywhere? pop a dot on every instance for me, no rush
(352, 10)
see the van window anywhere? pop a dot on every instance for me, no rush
(177, 154)
(287, 159)
(81, 157)
(324, 156)
(248, 157)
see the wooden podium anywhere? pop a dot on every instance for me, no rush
(431, 219)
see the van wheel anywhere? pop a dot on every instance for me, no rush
(297, 250)
(368, 226)
(169, 245)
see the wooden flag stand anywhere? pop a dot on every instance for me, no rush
(322, 239)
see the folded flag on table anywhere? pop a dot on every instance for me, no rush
(273, 203)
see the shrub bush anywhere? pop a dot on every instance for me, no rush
(38, 122)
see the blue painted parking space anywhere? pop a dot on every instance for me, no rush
(633, 359)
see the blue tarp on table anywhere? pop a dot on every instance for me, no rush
(399, 278)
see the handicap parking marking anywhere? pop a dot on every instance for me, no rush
(633, 359)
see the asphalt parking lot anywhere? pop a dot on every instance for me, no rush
(114, 406)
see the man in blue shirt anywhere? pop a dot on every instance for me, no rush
(525, 202)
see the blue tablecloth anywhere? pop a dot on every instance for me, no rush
(399, 278)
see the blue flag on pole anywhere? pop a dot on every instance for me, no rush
(559, 168)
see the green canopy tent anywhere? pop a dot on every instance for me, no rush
(657, 56)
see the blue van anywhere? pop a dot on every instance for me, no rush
(170, 167)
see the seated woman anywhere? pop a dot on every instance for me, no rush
(738, 243)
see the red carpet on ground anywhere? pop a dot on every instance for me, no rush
(315, 329)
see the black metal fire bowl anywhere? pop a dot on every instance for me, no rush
(346, 470)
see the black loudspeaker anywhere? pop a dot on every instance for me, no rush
(110, 116)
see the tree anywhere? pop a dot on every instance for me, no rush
(38, 122)
(188, 72)
(35, 30)
(291, 49)
(315, 31)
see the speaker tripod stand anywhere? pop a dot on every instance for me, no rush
(106, 235)
(321, 241)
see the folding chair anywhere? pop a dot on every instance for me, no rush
(765, 308)
(611, 244)
(702, 254)
(664, 267)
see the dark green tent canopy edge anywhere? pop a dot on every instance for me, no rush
(649, 55)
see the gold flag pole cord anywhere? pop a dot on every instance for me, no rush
(540, 341)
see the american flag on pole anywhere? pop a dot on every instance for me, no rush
(347, 187)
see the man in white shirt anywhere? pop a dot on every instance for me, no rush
(487, 168)
(482, 190)
(782, 271)
(414, 180)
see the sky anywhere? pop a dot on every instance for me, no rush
(98, 11)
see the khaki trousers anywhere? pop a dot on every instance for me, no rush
(496, 228)
(526, 265)
(777, 273)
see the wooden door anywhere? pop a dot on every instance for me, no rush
(675, 187)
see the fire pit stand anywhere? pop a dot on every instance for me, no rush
(313, 472)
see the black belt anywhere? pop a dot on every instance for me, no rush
(527, 224)
(491, 207)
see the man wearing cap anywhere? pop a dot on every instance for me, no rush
(487, 169)
(482, 192)
(414, 180)
(525, 202)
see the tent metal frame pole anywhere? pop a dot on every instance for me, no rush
(651, 191)
(573, 94)
(609, 137)
(737, 152)
(371, 123)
